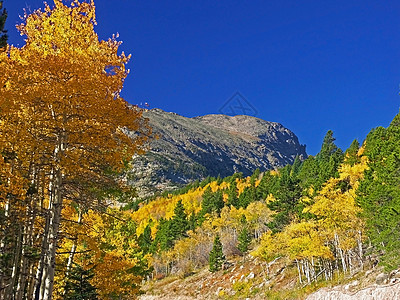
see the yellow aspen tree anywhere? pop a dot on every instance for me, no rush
(65, 123)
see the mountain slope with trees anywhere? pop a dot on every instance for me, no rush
(326, 219)
(189, 149)
(65, 164)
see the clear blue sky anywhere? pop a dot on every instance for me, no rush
(310, 65)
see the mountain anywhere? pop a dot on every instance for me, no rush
(189, 149)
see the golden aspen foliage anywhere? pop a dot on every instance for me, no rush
(67, 130)
(333, 230)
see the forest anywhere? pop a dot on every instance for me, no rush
(69, 228)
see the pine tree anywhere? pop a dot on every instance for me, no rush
(296, 166)
(266, 186)
(351, 156)
(328, 146)
(164, 239)
(309, 173)
(248, 196)
(328, 159)
(217, 257)
(3, 18)
(244, 240)
(212, 202)
(145, 241)
(287, 194)
(232, 194)
(379, 192)
(179, 222)
(78, 285)
(192, 222)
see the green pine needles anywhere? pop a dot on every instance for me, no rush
(3, 32)
(217, 257)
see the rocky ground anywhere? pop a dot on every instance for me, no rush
(253, 279)
(369, 286)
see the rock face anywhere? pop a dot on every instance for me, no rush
(369, 293)
(194, 148)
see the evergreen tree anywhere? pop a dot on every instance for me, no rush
(3, 32)
(329, 159)
(168, 231)
(233, 194)
(351, 156)
(145, 240)
(267, 185)
(78, 285)
(379, 192)
(179, 222)
(212, 202)
(308, 174)
(328, 148)
(248, 196)
(192, 222)
(244, 237)
(216, 257)
(255, 176)
(164, 239)
(244, 240)
(296, 166)
(315, 171)
(287, 196)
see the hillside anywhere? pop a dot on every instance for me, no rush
(189, 149)
(246, 279)
(282, 233)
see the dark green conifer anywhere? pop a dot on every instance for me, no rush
(217, 257)
(145, 240)
(3, 32)
(212, 202)
(247, 196)
(192, 222)
(379, 192)
(351, 156)
(179, 222)
(329, 159)
(328, 148)
(296, 166)
(78, 286)
(164, 239)
(233, 194)
(244, 237)
(286, 205)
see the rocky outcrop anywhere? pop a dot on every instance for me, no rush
(375, 292)
(213, 145)
(386, 286)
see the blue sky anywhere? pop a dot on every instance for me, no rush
(310, 65)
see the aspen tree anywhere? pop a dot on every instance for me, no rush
(67, 127)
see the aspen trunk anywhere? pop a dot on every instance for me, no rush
(55, 220)
(10, 290)
(73, 248)
(27, 241)
(343, 259)
(299, 271)
(360, 250)
(41, 268)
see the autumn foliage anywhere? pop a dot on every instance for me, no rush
(65, 133)
(66, 137)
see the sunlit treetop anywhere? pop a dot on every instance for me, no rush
(68, 31)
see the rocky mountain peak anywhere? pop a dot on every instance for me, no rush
(188, 149)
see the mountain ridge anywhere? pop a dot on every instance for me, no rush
(189, 149)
